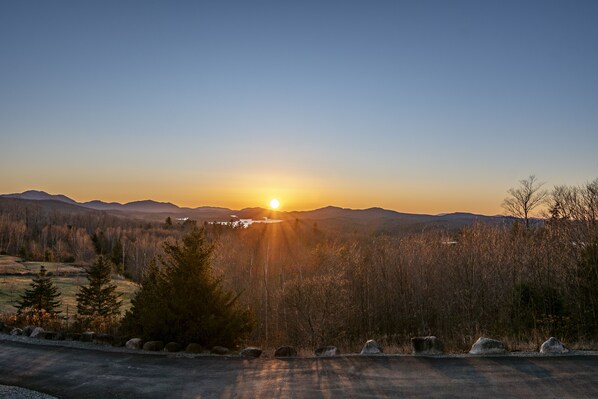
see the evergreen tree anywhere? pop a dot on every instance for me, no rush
(42, 296)
(181, 300)
(99, 297)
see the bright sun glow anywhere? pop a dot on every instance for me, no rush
(274, 204)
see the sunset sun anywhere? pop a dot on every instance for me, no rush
(274, 203)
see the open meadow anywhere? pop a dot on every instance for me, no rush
(16, 277)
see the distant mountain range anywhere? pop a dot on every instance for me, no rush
(372, 219)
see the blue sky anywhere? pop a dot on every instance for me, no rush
(419, 106)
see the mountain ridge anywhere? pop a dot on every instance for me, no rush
(153, 206)
(374, 219)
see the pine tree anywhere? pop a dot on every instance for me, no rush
(181, 300)
(41, 297)
(99, 297)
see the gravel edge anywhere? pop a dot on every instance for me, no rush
(11, 392)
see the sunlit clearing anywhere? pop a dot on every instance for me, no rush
(274, 204)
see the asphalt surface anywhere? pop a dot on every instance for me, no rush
(82, 373)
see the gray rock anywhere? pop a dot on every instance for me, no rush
(36, 332)
(429, 345)
(134, 343)
(194, 348)
(173, 347)
(220, 350)
(87, 336)
(16, 331)
(251, 352)
(327, 351)
(553, 346)
(371, 347)
(103, 339)
(285, 351)
(487, 346)
(153, 346)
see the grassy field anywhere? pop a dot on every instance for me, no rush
(13, 265)
(15, 278)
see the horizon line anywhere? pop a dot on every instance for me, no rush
(11, 195)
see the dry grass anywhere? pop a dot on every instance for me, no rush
(11, 287)
(14, 265)
(15, 277)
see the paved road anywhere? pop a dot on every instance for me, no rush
(79, 373)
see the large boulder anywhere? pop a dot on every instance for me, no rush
(553, 346)
(194, 348)
(153, 346)
(220, 350)
(173, 347)
(487, 346)
(327, 351)
(371, 347)
(429, 345)
(36, 332)
(134, 343)
(251, 352)
(285, 351)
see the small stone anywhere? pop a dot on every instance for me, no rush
(553, 346)
(285, 351)
(426, 345)
(251, 352)
(134, 343)
(194, 348)
(487, 346)
(327, 351)
(173, 347)
(153, 346)
(371, 347)
(220, 350)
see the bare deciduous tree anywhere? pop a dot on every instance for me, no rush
(525, 198)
